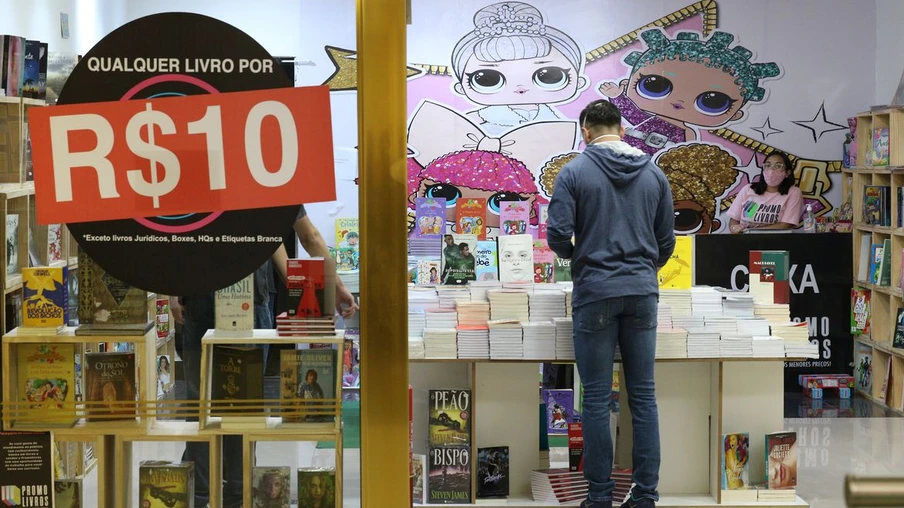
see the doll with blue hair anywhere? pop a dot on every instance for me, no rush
(678, 85)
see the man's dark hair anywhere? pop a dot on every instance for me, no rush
(600, 113)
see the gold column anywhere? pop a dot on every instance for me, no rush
(384, 348)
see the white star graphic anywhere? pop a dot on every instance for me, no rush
(751, 169)
(767, 129)
(819, 125)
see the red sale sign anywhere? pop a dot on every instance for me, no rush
(171, 156)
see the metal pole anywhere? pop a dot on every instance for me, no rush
(860, 492)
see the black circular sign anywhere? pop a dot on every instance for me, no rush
(166, 55)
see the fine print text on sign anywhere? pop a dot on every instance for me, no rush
(194, 154)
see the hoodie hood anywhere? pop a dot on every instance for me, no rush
(618, 160)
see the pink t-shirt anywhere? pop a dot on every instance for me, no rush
(757, 210)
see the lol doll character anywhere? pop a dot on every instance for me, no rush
(515, 65)
(699, 174)
(680, 84)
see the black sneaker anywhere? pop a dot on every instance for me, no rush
(639, 503)
(596, 504)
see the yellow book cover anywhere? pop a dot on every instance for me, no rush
(678, 273)
(46, 376)
(347, 234)
(46, 297)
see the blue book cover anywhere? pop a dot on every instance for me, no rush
(487, 260)
(46, 296)
(559, 410)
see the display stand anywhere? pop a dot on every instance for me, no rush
(884, 300)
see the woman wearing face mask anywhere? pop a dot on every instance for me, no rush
(771, 202)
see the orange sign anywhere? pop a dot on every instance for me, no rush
(170, 156)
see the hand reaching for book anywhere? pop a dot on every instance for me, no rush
(345, 302)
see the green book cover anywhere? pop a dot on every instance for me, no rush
(885, 271)
(561, 269)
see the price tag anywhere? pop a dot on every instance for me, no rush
(172, 156)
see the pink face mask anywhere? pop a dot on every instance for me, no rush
(773, 178)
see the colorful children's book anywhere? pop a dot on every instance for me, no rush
(559, 410)
(678, 272)
(885, 264)
(880, 147)
(487, 260)
(769, 276)
(46, 378)
(863, 367)
(347, 259)
(516, 258)
(860, 311)
(781, 460)
(459, 265)
(430, 217)
(875, 263)
(428, 272)
(514, 216)
(898, 341)
(471, 217)
(347, 234)
(542, 219)
(544, 261)
(46, 295)
(872, 205)
(735, 461)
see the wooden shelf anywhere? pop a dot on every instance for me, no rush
(888, 290)
(881, 347)
(680, 501)
(879, 403)
(261, 337)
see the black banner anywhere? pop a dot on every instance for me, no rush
(821, 279)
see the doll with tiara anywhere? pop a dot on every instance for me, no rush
(679, 84)
(515, 66)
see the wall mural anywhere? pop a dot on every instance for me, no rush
(499, 119)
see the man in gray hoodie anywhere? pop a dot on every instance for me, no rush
(617, 207)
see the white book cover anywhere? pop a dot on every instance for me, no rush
(54, 243)
(516, 258)
(235, 308)
(12, 244)
(419, 464)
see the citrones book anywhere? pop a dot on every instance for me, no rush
(46, 299)
(163, 484)
(234, 308)
(450, 417)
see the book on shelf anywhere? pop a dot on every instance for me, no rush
(881, 151)
(449, 480)
(877, 251)
(471, 217)
(487, 261)
(308, 383)
(864, 258)
(449, 417)
(234, 309)
(852, 126)
(238, 374)
(543, 263)
(898, 340)
(347, 234)
(271, 487)
(883, 393)
(54, 243)
(68, 493)
(428, 271)
(419, 478)
(13, 306)
(110, 379)
(164, 375)
(350, 360)
(781, 460)
(162, 317)
(13, 67)
(678, 272)
(876, 205)
(316, 486)
(164, 484)
(559, 410)
(900, 207)
(46, 380)
(884, 278)
(558, 486)
(863, 367)
(735, 453)
(429, 217)
(306, 285)
(493, 472)
(860, 311)
(542, 220)
(32, 84)
(458, 262)
(769, 276)
(514, 217)
(561, 269)
(26, 469)
(45, 293)
(12, 244)
(575, 446)
(348, 259)
(516, 258)
(108, 305)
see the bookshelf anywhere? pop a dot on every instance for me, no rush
(885, 300)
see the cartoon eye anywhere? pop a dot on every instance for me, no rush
(551, 78)
(713, 103)
(688, 220)
(444, 190)
(654, 87)
(494, 203)
(486, 81)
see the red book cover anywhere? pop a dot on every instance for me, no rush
(305, 287)
(575, 447)
(770, 276)
(471, 217)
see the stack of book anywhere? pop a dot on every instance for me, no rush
(506, 339)
(416, 348)
(765, 346)
(734, 345)
(671, 343)
(479, 289)
(449, 296)
(564, 338)
(559, 486)
(539, 340)
(687, 322)
(509, 304)
(737, 304)
(420, 298)
(773, 312)
(546, 305)
(441, 318)
(664, 316)
(440, 343)
(568, 293)
(723, 325)
(706, 301)
(305, 326)
(753, 327)
(797, 340)
(678, 299)
(416, 324)
(765, 495)
(425, 247)
(474, 342)
(702, 343)
(473, 313)
(623, 483)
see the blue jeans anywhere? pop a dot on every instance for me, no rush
(199, 317)
(631, 322)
